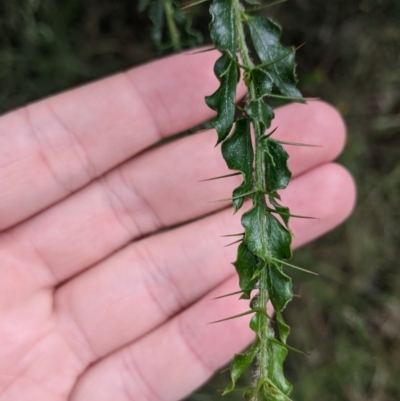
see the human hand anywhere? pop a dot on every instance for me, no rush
(109, 254)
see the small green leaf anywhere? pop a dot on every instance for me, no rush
(237, 151)
(277, 354)
(188, 36)
(223, 100)
(171, 26)
(262, 83)
(265, 236)
(279, 288)
(239, 194)
(245, 265)
(266, 39)
(283, 327)
(222, 26)
(279, 239)
(234, 150)
(240, 363)
(255, 223)
(277, 173)
(255, 323)
(269, 392)
(259, 111)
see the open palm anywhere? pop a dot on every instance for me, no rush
(110, 248)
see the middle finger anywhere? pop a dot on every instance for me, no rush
(151, 280)
(160, 189)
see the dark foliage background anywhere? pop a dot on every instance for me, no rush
(349, 317)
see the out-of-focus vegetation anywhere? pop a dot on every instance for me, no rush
(349, 317)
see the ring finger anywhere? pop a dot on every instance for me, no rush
(157, 189)
(155, 278)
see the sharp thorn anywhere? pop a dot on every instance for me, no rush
(233, 235)
(234, 317)
(299, 144)
(209, 49)
(290, 347)
(296, 216)
(227, 295)
(220, 177)
(233, 243)
(295, 267)
(257, 8)
(294, 99)
(235, 197)
(299, 46)
(266, 136)
(194, 3)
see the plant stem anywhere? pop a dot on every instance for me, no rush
(243, 51)
(266, 330)
(173, 30)
(266, 333)
(244, 54)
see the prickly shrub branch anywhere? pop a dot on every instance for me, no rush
(262, 161)
(249, 148)
(172, 28)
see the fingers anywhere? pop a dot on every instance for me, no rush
(161, 188)
(58, 145)
(316, 123)
(174, 359)
(153, 279)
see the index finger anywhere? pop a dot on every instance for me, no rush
(56, 146)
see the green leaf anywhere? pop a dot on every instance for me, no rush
(239, 194)
(255, 323)
(283, 327)
(277, 173)
(255, 224)
(279, 288)
(277, 354)
(266, 39)
(159, 14)
(262, 82)
(240, 363)
(279, 238)
(223, 100)
(269, 392)
(189, 37)
(245, 265)
(259, 111)
(237, 151)
(264, 234)
(222, 26)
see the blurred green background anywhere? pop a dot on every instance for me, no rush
(349, 317)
